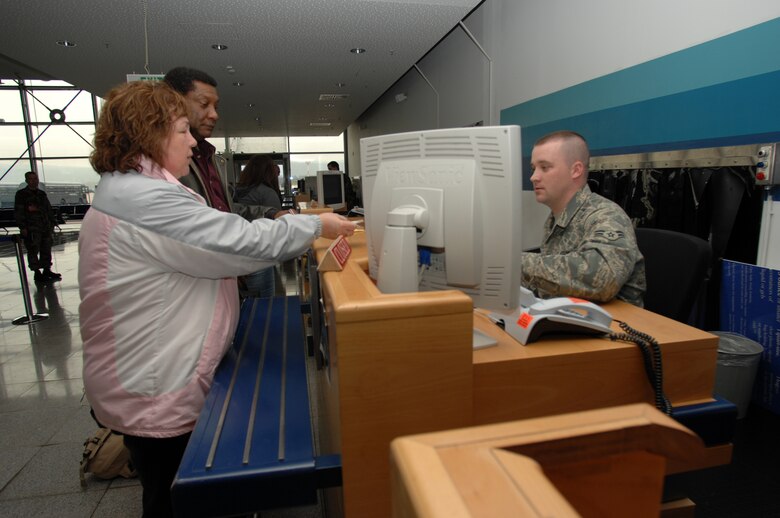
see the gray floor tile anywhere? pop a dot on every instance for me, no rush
(24, 368)
(34, 396)
(9, 351)
(119, 482)
(73, 505)
(120, 503)
(12, 460)
(76, 429)
(10, 392)
(64, 392)
(53, 470)
(14, 335)
(33, 426)
(69, 368)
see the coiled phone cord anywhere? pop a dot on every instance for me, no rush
(651, 354)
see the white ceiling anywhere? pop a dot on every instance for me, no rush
(285, 52)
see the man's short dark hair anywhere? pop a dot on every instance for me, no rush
(576, 145)
(181, 79)
(27, 175)
(333, 164)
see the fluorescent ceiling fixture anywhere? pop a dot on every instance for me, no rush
(333, 97)
(66, 43)
(219, 46)
(320, 124)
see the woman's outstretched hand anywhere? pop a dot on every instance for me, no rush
(334, 225)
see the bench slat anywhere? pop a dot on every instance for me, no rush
(252, 448)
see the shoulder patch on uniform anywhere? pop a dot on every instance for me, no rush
(611, 234)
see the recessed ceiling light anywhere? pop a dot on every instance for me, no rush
(357, 50)
(219, 46)
(329, 105)
(66, 43)
(238, 83)
(250, 105)
(341, 85)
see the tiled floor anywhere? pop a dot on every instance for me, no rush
(43, 417)
(44, 420)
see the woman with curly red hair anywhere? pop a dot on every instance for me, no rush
(157, 280)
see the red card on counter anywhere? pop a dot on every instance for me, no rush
(335, 256)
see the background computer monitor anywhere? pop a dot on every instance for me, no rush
(461, 191)
(310, 184)
(330, 189)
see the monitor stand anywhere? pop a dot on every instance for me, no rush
(398, 265)
(481, 340)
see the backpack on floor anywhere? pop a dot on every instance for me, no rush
(105, 456)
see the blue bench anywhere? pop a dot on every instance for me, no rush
(715, 422)
(252, 447)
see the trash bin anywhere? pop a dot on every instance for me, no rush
(735, 373)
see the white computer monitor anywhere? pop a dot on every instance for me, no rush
(330, 189)
(454, 194)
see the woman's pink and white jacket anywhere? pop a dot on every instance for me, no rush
(159, 301)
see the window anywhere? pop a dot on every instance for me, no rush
(61, 128)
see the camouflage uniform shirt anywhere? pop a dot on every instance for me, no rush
(37, 221)
(589, 252)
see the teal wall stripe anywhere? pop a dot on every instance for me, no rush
(739, 112)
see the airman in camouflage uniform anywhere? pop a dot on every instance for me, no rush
(35, 218)
(589, 248)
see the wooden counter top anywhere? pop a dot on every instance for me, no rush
(403, 364)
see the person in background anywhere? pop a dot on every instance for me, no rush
(589, 249)
(350, 199)
(36, 221)
(157, 267)
(207, 170)
(259, 185)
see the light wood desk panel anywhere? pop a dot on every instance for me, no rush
(397, 365)
(557, 375)
(403, 364)
(606, 462)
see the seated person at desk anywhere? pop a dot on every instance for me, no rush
(350, 198)
(157, 267)
(589, 249)
(258, 185)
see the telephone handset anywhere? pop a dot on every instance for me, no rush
(536, 317)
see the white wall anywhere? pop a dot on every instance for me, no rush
(543, 47)
(458, 95)
(540, 47)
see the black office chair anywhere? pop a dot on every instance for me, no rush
(676, 266)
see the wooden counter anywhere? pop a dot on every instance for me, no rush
(606, 463)
(553, 376)
(307, 207)
(403, 364)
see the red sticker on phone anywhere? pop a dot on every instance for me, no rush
(525, 320)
